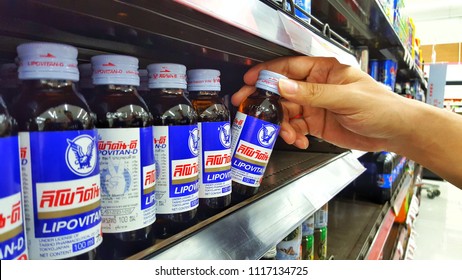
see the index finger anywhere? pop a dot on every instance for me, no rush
(296, 67)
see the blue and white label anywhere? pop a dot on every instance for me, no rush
(193, 141)
(128, 178)
(12, 228)
(252, 143)
(267, 134)
(81, 155)
(321, 216)
(62, 196)
(176, 149)
(215, 159)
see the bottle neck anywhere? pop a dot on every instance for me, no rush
(168, 91)
(48, 83)
(204, 93)
(267, 93)
(120, 88)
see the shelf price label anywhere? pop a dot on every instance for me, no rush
(436, 84)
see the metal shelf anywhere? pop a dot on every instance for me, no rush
(274, 25)
(361, 229)
(231, 35)
(295, 185)
(243, 32)
(364, 23)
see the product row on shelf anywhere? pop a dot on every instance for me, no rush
(393, 60)
(381, 28)
(233, 36)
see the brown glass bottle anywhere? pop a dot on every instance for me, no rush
(10, 191)
(54, 122)
(264, 109)
(126, 156)
(120, 106)
(215, 153)
(170, 109)
(40, 99)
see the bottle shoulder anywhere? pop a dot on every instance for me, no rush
(46, 109)
(170, 109)
(264, 106)
(119, 108)
(211, 110)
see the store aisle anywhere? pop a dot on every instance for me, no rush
(439, 224)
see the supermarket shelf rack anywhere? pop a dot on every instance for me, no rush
(198, 34)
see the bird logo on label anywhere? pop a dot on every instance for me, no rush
(266, 135)
(81, 162)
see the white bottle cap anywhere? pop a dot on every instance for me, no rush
(204, 79)
(111, 69)
(47, 61)
(85, 76)
(269, 81)
(144, 80)
(167, 75)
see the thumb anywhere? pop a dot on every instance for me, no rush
(326, 96)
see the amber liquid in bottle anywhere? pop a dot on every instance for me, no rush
(210, 108)
(170, 107)
(120, 106)
(52, 105)
(264, 105)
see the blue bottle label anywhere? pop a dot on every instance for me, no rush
(176, 149)
(61, 186)
(320, 217)
(12, 228)
(384, 180)
(128, 174)
(252, 143)
(214, 159)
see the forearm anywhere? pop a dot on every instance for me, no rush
(433, 138)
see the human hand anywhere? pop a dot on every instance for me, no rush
(335, 102)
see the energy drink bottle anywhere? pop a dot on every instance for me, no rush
(320, 232)
(320, 243)
(254, 132)
(127, 166)
(59, 159)
(308, 238)
(321, 216)
(13, 244)
(215, 141)
(176, 148)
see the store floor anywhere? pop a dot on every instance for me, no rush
(439, 224)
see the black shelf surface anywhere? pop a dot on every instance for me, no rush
(295, 185)
(360, 228)
(350, 223)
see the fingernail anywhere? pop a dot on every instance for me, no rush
(301, 144)
(284, 135)
(288, 86)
